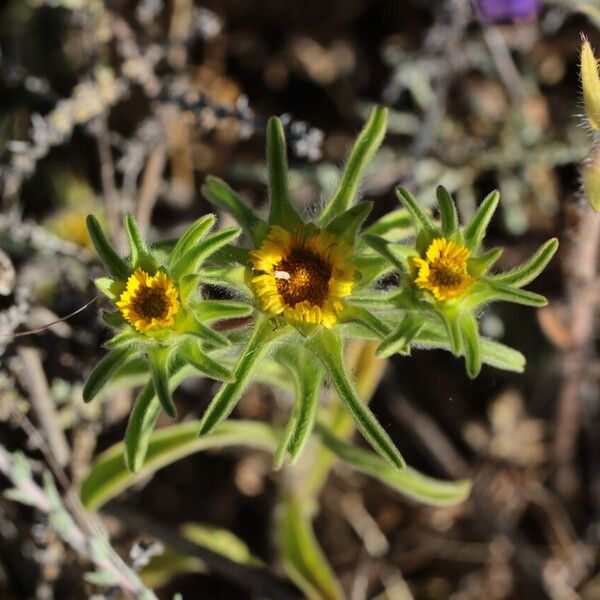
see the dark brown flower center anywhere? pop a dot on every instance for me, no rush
(303, 276)
(151, 303)
(446, 275)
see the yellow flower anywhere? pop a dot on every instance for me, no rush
(443, 272)
(149, 302)
(303, 279)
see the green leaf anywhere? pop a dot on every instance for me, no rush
(191, 261)
(136, 241)
(370, 268)
(477, 267)
(399, 219)
(219, 194)
(144, 415)
(257, 348)
(212, 310)
(421, 218)
(408, 481)
(510, 294)
(142, 421)
(109, 476)
(109, 287)
(471, 345)
(104, 371)
(529, 270)
(192, 353)
(450, 319)
(346, 225)
(159, 367)
(231, 276)
(209, 335)
(474, 232)
(448, 212)
(307, 384)
(303, 559)
(400, 339)
(493, 353)
(188, 288)
(381, 246)
(366, 145)
(282, 212)
(114, 319)
(116, 266)
(191, 238)
(124, 339)
(361, 315)
(327, 346)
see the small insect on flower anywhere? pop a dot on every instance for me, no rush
(443, 272)
(303, 278)
(149, 302)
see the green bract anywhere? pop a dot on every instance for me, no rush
(420, 308)
(163, 351)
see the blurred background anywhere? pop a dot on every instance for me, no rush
(123, 106)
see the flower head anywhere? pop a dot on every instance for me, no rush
(149, 302)
(303, 279)
(443, 272)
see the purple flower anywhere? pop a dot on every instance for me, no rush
(508, 10)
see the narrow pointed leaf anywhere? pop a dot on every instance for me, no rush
(448, 212)
(223, 403)
(363, 316)
(230, 277)
(211, 310)
(400, 339)
(303, 558)
(282, 211)
(529, 270)
(421, 218)
(114, 318)
(142, 421)
(474, 232)
(327, 346)
(116, 266)
(210, 335)
(144, 415)
(346, 225)
(110, 477)
(136, 241)
(510, 294)
(188, 288)
(366, 145)
(190, 262)
(219, 194)
(307, 385)
(191, 352)
(109, 287)
(453, 332)
(493, 353)
(408, 481)
(381, 246)
(479, 266)
(104, 371)
(191, 238)
(159, 367)
(399, 220)
(124, 339)
(471, 344)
